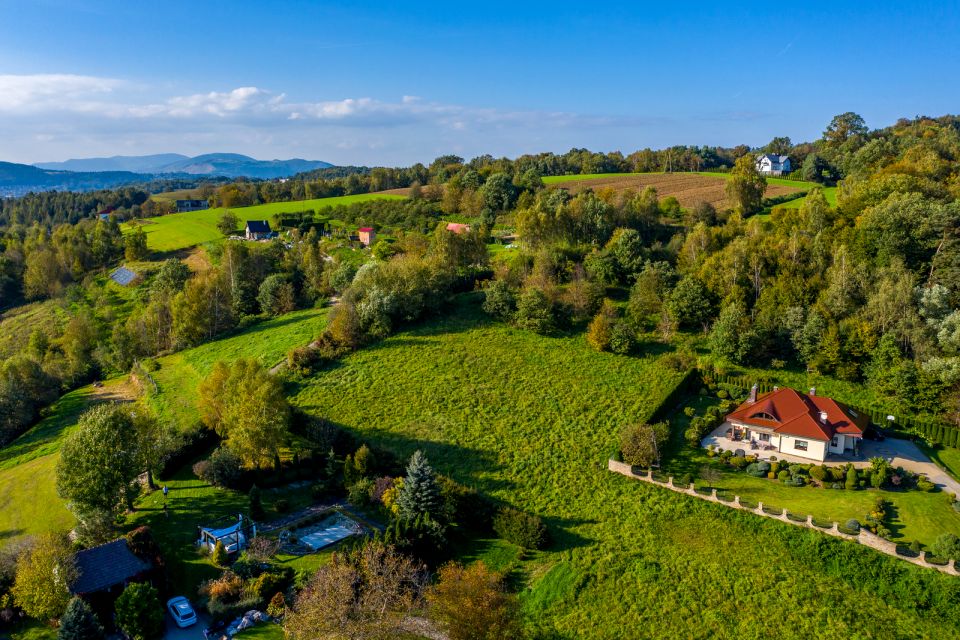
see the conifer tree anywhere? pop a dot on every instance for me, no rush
(420, 493)
(79, 623)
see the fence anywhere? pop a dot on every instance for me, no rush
(863, 536)
(932, 430)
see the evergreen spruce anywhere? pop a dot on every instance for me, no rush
(256, 504)
(420, 493)
(79, 623)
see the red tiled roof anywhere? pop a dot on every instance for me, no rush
(793, 413)
(457, 227)
(365, 229)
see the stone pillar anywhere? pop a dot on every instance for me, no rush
(670, 482)
(713, 494)
(736, 502)
(810, 522)
(693, 487)
(759, 508)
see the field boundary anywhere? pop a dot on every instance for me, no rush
(863, 537)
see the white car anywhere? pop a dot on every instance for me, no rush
(182, 612)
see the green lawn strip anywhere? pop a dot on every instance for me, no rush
(947, 458)
(830, 193)
(182, 230)
(530, 421)
(18, 323)
(268, 341)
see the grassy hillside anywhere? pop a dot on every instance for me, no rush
(269, 341)
(28, 499)
(531, 421)
(182, 230)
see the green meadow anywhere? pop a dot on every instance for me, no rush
(28, 500)
(181, 230)
(531, 421)
(178, 375)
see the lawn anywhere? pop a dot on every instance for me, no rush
(179, 374)
(192, 503)
(181, 230)
(28, 498)
(531, 420)
(830, 193)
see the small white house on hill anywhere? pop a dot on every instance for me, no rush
(773, 165)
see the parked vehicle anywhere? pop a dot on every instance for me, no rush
(182, 612)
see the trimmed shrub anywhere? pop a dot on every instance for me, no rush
(819, 473)
(523, 529)
(925, 485)
(851, 480)
(282, 505)
(783, 476)
(758, 469)
(852, 525)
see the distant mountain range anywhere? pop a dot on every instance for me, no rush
(231, 165)
(87, 174)
(17, 179)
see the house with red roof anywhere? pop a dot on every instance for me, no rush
(799, 424)
(367, 235)
(458, 228)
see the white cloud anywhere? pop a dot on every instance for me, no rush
(48, 91)
(46, 117)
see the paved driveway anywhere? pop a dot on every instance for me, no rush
(194, 632)
(903, 453)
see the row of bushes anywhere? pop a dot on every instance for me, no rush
(880, 475)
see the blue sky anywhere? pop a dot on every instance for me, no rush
(395, 83)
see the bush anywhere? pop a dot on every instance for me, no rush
(685, 480)
(277, 607)
(925, 485)
(523, 529)
(689, 412)
(946, 546)
(256, 504)
(784, 476)
(852, 525)
(359, 492)
(739, 463)
(851, 481)
(220, 557)
(223, 469)
(758, 469)
(819, 473)
(282, 505)
(138, 612)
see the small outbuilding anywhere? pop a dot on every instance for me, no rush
(235, 536)
(367, 236)
(258, 230)
(458, 228)
(192, 205)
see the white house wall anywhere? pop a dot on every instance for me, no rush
(816, 449)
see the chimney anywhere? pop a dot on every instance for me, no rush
(823, 417)
(753, 393)
(813, 391)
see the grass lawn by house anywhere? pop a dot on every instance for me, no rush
(530, 421)
(915, 516)
(192, 503)
(182, 230)
(947, 458)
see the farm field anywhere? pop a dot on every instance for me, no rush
(17, 323)
(687, 188)
(182, 230)
(179, 374)
(531, 422)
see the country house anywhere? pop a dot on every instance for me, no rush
(799, 424)
(773, 164)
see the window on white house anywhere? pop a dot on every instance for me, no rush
(765, 437)
(835, 442)
(800, 445)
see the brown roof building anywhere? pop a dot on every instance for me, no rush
(801, 424)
